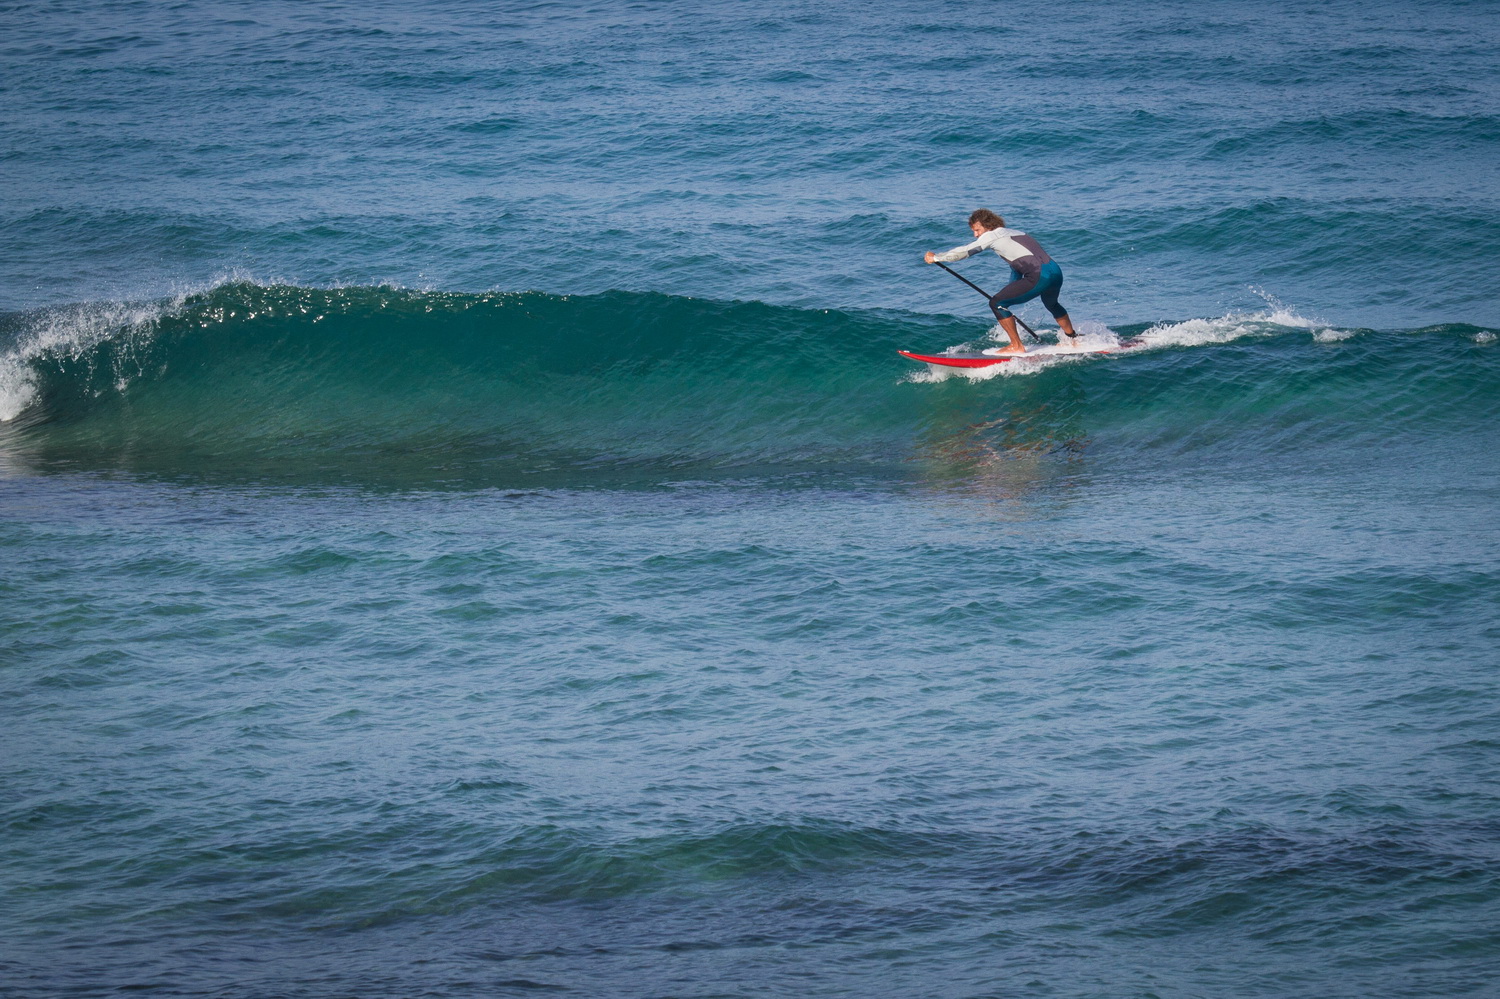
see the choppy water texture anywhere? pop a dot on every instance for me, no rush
(465, 529)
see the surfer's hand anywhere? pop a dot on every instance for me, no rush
(931, 257)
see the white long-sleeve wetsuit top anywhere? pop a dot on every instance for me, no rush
(1024, 254)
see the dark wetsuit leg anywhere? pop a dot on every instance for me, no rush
(1022, 288)
(1051, 287)
(1045, 283)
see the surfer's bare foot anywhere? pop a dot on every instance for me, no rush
(1010, 350)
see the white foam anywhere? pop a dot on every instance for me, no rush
(1331, 335)
(17, 388)
(73, 332)
(68, 333)
(1198, 332)
(1274, 320)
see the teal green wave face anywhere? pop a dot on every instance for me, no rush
(364, 379)
(383, 384)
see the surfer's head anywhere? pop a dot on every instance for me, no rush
(983, 220)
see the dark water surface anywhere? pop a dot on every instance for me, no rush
(465, 529)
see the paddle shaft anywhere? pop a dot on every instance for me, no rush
(986, 294)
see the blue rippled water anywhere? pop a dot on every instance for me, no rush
(465, 529)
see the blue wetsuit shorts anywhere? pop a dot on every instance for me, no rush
(1045, 284)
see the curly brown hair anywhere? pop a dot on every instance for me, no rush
(987, 218)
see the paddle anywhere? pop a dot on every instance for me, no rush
(986, 295)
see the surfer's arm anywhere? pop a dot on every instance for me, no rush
(958, 252)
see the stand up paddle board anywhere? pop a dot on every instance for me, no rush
(986, 359)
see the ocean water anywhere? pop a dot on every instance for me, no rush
(465, 529)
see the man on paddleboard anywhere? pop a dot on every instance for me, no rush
(1033, 274)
